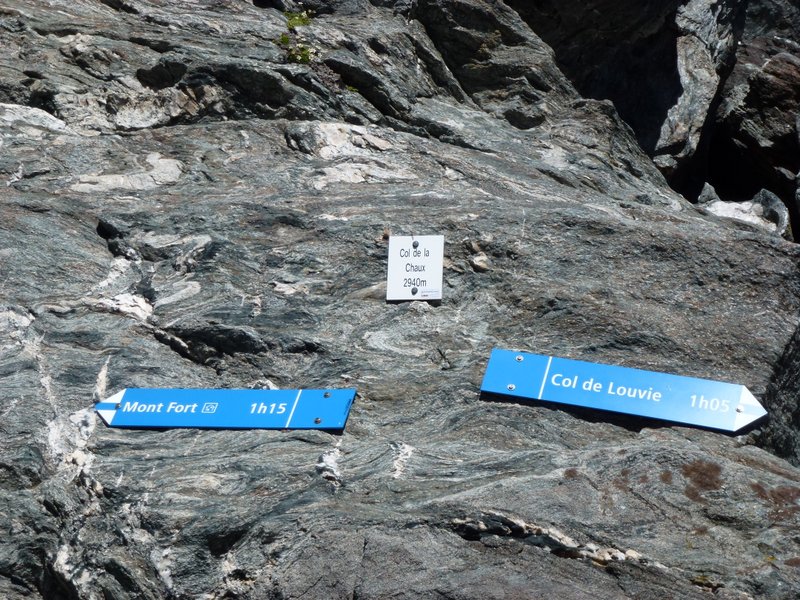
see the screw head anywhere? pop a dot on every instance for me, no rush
(519, 358)
(317, 420)
(739, 409)
(511, 387)
(415, 244)
(326, 395)
(414, 291)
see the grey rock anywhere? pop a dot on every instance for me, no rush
(779, 433)
(708, 195)
(765, 210)
(496, 58)
(774, 210)
(185, 206)
(705, 45)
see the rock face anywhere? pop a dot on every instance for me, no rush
(203, 198)
(710, 88)
(756, 143)
(661, 63)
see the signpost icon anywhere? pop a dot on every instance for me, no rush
(689, 400)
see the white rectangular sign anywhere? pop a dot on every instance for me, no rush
(415, 267)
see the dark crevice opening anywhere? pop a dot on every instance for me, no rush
(738, 172)
(626, 52)
(628, 57)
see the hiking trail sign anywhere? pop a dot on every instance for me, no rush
(227, 409)
(688, 400)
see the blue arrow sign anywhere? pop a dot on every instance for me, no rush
(675, 398)
(228, 409)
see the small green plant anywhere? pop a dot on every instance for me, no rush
(300, 53)
(296, 19)
(290, 40)
(284, 40)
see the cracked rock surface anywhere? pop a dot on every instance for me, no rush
(186, 201)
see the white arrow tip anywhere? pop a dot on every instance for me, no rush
(107, 412)
(748, 410)
(115, 399)
(107, 416)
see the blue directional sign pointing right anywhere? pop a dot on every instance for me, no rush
(689, 400)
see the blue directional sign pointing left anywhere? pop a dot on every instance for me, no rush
(228, 409)
(689, 400)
